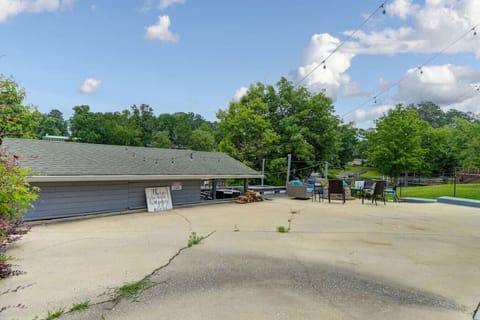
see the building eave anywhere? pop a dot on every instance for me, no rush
(94, 178)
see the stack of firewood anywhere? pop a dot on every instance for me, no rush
(249, 196)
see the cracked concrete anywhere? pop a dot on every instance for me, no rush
(400, 261)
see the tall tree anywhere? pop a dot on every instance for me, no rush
(52, 123)
(431, 113)
(247, 135)
(203, 139)
(395, 147)
(16, 120)
(440, 157)
(465, 141)
(300, 122)
(348, 143)
(143, 117)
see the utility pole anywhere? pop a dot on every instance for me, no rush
(325, 173)
(289, 161)
(263, 169)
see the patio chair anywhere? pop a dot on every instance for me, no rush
(336, 187)
(377, 191)
(357, 188)
(317, 191)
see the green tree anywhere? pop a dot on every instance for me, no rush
(452, 115)
(143, 117)
(118, 128)
(16, 120)
(247, 135)
(395, 147)
(348, 143)
(440, 157)
(465, 142)
(300, 122)
(431, 113)
(52, 123)
(202, 139)
(161, 139)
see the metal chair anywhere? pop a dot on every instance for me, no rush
(336, 187)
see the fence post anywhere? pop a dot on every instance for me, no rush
(455, 185)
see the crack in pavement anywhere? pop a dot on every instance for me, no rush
(145, 278)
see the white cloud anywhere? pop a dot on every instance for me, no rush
(90, 85)
(167, 3)
(10, 8)
(352, 89)
(362, 115)
(329, 76)
(239, 93)
(436, 25)
(161, 31)
(428, 29)
(444, 85)
(401, 8)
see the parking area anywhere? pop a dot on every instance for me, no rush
(351, 261)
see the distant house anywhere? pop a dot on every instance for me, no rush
(81, 178)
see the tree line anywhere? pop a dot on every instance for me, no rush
(269, 122)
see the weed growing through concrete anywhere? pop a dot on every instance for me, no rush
(283, 229)
(194, 239)
(131, 290)
(51, 314)
(80, 306)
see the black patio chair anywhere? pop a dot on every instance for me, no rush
(336, 187)
(377, 191)
(317, 191)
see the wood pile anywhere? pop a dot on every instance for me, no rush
(249, 196)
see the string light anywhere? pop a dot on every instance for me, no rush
(384, 11)
(323, 63)
(420, 68)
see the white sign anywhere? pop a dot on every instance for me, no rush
(158, 199)
(176, 186)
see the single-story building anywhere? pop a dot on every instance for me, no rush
(82, 178)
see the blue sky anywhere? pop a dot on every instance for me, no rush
(196, 56)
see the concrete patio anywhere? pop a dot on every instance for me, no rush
(352, 261)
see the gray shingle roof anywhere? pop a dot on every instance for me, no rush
(48, 158)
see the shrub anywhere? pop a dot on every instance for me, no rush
(15, 197)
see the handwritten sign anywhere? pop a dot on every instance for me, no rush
(158, 199)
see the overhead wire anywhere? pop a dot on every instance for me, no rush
(418, 68)
(381, 7)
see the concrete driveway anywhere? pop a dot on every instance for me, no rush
(352, 261)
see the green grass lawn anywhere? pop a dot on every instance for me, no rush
(371, 173)
(468, 191)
